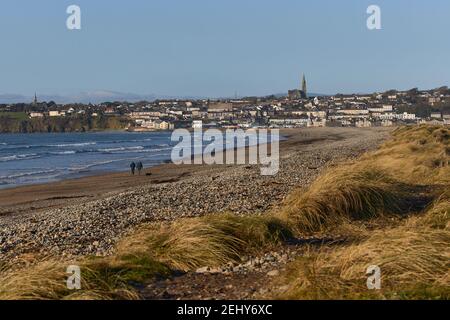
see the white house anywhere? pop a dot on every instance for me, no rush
(197, 124)
(36, 115)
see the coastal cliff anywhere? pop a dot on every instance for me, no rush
(13, 124)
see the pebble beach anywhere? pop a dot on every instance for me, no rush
(93, 222)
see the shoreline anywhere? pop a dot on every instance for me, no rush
(15, 199)
(87, 216)
(54, 194)
(97, 173)
(96, 186)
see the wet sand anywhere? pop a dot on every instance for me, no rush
(67, 192)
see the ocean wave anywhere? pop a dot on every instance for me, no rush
(127, 141)
(27, 174)
(63, 152)
(17, 147)
(40, 146)
(19, 157)
(65, 145)
(118, 150)
(95, 164)
(121, 149)
(10, 147)
(141, 151)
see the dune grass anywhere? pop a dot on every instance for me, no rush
(101, 278)
(215, 240)
(414, 257)
(414, 260)
(437, 216)
(152, 251)
(416, 155)
(387, 181)
(343, 194)
(392, 181)
(408, 259)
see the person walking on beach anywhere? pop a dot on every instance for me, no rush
(133, 167)
(139, 167)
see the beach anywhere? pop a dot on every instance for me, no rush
(87, 216)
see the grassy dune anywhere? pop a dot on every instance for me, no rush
(407, 173)
(344, 194)
(399, 192)
(414, 260)
(153, 250)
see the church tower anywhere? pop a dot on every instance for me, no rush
(304, 86)
(35, 101)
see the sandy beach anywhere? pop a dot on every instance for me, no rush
(88, 215)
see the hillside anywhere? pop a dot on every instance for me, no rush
(17, 122)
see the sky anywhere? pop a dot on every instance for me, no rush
(217, 48)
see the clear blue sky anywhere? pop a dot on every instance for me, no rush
(216, 47)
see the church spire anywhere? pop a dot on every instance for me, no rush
(35, 99)
(304, 89)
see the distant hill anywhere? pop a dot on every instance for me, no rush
(105, 96)
(82, 97)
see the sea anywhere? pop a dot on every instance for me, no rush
(48, 157)
(41, 158)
